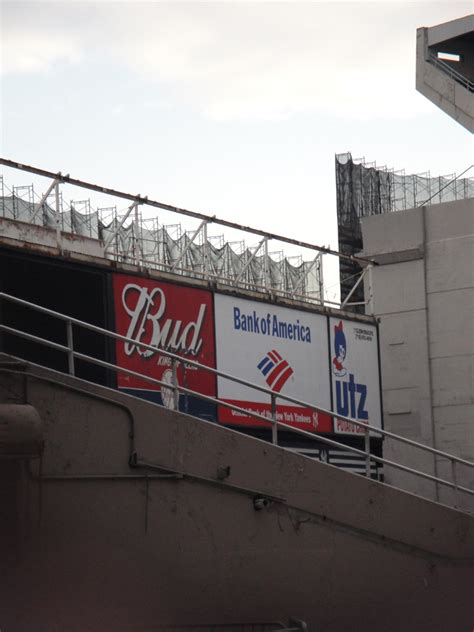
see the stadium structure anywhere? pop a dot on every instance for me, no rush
(192, 437)
(445, 69)
(130, 474)
(421, 291)
(364, 189)
(445, 76)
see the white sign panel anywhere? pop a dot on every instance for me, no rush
(355, 374)
(285, 350)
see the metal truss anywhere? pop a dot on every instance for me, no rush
(125, 236)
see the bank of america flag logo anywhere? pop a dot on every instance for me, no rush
(275, 370)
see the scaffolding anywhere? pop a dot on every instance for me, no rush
(128, 237)
(365, 189)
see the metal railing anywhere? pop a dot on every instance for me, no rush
(452, 72)
(177, 389)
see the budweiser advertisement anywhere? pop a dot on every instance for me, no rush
(355, 374)
(170, 317)
(281, 349)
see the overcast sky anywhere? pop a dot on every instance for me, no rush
(228, 108)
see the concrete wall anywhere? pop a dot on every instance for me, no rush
(437, 86)
(88, 543)
(423, 293)
(456, 37)
(449, 30)
(15, 232)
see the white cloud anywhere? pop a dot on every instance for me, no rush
(232, 61)
(29, 51)
(35, 36)
(263, 61)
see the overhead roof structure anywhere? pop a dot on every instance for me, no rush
(445, 68)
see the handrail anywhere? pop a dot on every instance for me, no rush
(188, 391)
(280, 424)
(209, 369)
(176, 359)
(452, 72)
(245, 626)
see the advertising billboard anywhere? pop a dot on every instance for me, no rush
(355, 374)
(282, 349)
(171, 317)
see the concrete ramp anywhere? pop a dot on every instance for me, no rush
(136, 517)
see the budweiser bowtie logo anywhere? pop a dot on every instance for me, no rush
(148, 323)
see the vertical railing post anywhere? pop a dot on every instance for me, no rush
(205, 251)
(455, 482)
(58, 217)
(136, 237)
(266, 266)
(367, 451)
(70, 346)
(321, 279)
(370, 290)
(174, 366)
(274, 420)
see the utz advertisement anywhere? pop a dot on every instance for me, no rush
(170, 317)
(355, 374)
(281, 349)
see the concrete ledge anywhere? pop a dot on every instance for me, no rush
(200, 449)
(388, 258)
(97, 545)
(44, 239)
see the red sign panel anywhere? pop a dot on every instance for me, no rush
(166, 316)
(296, 416)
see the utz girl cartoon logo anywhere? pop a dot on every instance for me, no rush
(340, 350)
(351, 395)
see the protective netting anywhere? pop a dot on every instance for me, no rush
(365, 189)
(168, 248)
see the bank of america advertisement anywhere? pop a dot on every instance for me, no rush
(281, 349)
(355, 374)
(171, 317)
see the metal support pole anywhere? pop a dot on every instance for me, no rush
(321, 279)
(205, 251)
(455, 482)
(2, 196)
(189, 244)
(299, 286)
(45, 196)
(249, 261)
(367, 451)
(136, 237)
(355, 286)
(70, 346)
(274, 420)
(370, 310)
(266, 267)
(174, 366)
(58, 217)
(121, 223)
